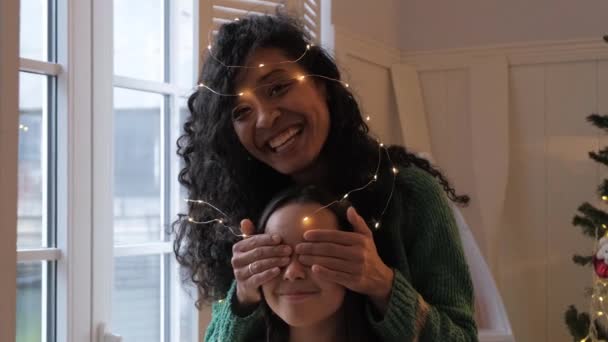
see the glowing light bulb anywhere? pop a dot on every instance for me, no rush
(345, 196)
(367, 118)
(395, 171)
(220, 221)
(261, 65)
(381, 145)
(307, 46)
(601, 299)
(377, 225)
(301, 78)
(199, 201)
(209, 47)
(306, 220)
(190, 219)
(604, 226)
(241, 94)
(346, 85)
(375, 177)
(236, 19)
(604, 198)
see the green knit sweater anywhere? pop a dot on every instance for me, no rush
(432, 293)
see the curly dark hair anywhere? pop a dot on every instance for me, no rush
(218, 169)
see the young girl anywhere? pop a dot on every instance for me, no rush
(287, 118)
(300, 306)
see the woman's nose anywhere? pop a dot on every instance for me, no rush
(294, 270)
(267, 117)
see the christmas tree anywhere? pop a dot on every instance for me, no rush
(593, 223)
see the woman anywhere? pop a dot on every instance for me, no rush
(286, 119)
(298, 305)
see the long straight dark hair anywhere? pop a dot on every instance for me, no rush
(356, 327)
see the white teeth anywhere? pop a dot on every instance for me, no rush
(283, 137)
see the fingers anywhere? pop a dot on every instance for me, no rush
(258, 254)
(334, 236)
(259, 279)
(255, 241)
(331, 263)
(358, 222)
(330, 250)
(342, 278)
(260, 266)
(247, 227)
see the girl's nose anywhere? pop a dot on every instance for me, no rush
(294, 270)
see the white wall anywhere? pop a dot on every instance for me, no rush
(551, 88)
(425, 24)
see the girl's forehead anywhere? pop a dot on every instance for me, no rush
(292, 220)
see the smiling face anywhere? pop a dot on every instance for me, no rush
(298, 296)
(281, 119)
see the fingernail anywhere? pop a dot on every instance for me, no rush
(287, 249)
(276, 238)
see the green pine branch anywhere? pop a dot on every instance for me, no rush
(578, 323)
(592, 218)
(582, 260)
(600, 121)
(600, 156)
(602, 190)
(587, 225)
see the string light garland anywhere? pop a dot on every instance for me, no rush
(299, 77)
(296, 77)
(308, 218)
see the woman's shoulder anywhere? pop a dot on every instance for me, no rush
(417, 179)
(420, 188)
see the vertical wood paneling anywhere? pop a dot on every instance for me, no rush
(570, 96)
(522, 277)
(446, 101)
(373, 89)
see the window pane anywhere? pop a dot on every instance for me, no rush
(29, 302)
(33, 29)
(139, 39)
(137, 166)
(32, 155)
(136, 302)
(188, 318)
(186, 73)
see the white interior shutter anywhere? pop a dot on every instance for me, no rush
(224, 11)
(310, 14)
(219, 12)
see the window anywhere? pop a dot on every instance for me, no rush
(102, 97)
(36, 210)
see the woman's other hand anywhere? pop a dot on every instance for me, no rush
(256, 260)
(349, 259)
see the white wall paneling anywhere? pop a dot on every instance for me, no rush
(507, 125)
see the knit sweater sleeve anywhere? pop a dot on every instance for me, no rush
(437, 304)
(227, 325)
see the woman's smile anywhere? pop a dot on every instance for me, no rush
(285, 139)
(287, 128)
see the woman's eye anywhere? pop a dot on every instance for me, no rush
(240, 113)
(278, 89)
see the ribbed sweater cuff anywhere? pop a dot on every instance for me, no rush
(400, 315)
(243, 320)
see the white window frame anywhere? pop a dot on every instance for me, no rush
(103, 121)
(9, 109)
